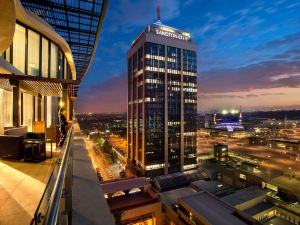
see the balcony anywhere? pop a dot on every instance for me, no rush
(63, 189)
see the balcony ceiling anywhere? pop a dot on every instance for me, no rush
(78, 21)
(39, 85)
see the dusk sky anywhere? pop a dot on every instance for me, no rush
(248, 52)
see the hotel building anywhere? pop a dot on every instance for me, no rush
(44, 56)
(46, 48)
(162, 101)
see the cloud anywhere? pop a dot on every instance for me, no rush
(256, 76)
(284, 76)
(240, 96)
(291, 54)
(293, 5)
(287, 40)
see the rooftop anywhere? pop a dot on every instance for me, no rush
(243, 195)
(259, 208)
(178, 180)
(171, 197)
(213, 210)
(124, 184)
(125, 202)
(211, 186)
(288, 183)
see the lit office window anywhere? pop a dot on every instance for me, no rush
(45, 57)
(54, 61)
(19, 48)
(33, 53)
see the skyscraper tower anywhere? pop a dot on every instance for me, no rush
(162, 100)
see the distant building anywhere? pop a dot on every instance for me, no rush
(162, 101)
(205, 208)
(228, 120)
(221, 152)
(246, 198)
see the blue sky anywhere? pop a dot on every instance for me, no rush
(248, 52)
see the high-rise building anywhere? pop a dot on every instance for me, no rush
(162, 101)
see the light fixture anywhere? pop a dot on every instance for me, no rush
(224, 111)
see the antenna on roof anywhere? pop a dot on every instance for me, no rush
(158, 12)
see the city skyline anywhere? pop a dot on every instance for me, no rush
(252, 49)
(161, 162)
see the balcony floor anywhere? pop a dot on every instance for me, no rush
(21, 187)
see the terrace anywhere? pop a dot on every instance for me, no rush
(21, 187)
(46, 48)
(31, 192)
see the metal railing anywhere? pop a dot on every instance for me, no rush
(55, 206)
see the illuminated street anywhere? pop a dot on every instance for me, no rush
(98, 162)
(118, 143)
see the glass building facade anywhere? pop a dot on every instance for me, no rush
(35, 55)
(32, 54)
(162, 105)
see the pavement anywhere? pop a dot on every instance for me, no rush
(21, 188)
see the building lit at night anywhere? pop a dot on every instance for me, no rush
(162, 101)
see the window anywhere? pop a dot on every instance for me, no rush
(27, 111)
(6, 108)
(7, 54)
(45, 57)
(65, 69)
(36, 108)
(243, 176)
(54, 61)
(33, 53)
(48, 111)
(51, 110)
(60, 65)
(19, 48)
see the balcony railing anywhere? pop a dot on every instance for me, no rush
(73, 194)
(55, 206)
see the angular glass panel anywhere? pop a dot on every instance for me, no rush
(54, 61)
(33, 53)
(45, 57)
(19, 48)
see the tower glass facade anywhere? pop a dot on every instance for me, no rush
(162, 101)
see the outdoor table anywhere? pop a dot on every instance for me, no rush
(33, 143)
